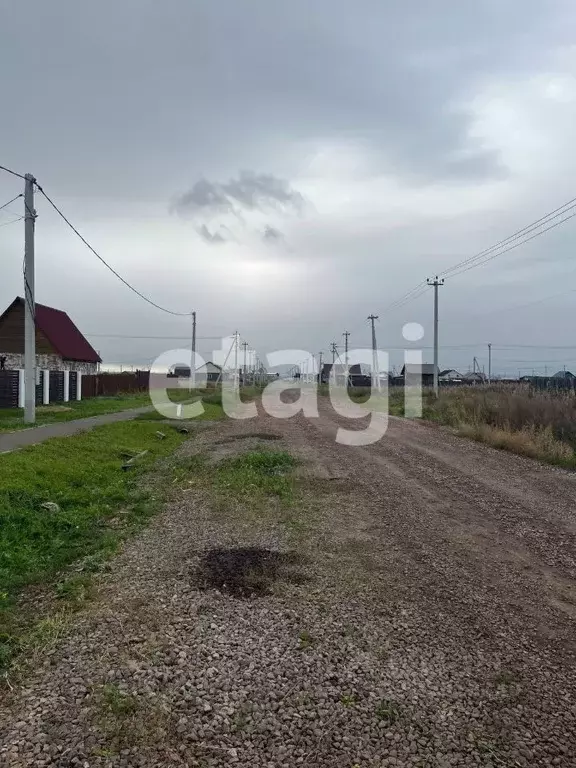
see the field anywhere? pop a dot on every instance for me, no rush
(517, 419)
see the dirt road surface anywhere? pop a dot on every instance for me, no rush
(431, 621)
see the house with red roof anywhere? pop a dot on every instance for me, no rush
(60, 346)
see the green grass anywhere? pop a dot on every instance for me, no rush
(98, 505)
(267, 473)
(211, 411)
(83, 475)
(12, 419)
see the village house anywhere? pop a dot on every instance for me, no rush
(59, 344)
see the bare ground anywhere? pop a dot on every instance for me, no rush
(429, 621)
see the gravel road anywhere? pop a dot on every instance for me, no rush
(432, 622)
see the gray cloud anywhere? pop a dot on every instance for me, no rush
(250, 191)
(272, 235)
(210, 237)
(208, 201)
(179, 95)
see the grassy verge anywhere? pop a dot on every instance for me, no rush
(12, 419)
(91, 505)
(516, 419)
(539, 425)
(534, 424)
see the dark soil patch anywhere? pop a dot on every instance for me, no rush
(248, 572)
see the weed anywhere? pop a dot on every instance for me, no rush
(76, 590)
(263, 472)
(348, 699)
(388, 711)
(306, 640)
(117, 702)
(505, 678)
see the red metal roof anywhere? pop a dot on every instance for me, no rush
(63, 335)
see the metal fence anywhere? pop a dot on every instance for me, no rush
(9, 386)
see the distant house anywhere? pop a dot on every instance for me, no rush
(59, 344)
(357, 377)
(209, 372)
(564, 375)
(450, 376)
(416, 373)
(474, 377)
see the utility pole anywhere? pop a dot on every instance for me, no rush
(244, 347)
(319, 367)
(236, 360)
(375, 367)
(346, 335)
(435, 283)
(489, 363)
(29, 302)
(334, 350)
(193, 357)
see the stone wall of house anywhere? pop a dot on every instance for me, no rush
(49, 363)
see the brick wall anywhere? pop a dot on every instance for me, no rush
(49, 363)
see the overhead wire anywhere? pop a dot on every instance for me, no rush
(11, 201)
(108, 266)
(560, 211)
(12, 221)
(20, 176)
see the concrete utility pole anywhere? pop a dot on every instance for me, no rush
(193, 356)
(375, 367)
(236, 360)
(489, 363)
(435, 283)
(334, 350)
(244, 347)
(346, 335)
(319, 367)
(30, 304)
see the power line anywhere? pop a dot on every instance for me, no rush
(125, 336)
(493, 251)
(12, 221)
(10, 201)
(512, 247)
(519, 233)
(114, 272)
(20, 175)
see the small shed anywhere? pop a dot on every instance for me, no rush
(60, 346)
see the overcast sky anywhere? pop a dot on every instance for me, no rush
(288, 168)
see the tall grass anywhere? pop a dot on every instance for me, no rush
(537, 424)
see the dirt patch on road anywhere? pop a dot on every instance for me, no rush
(246, 571)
